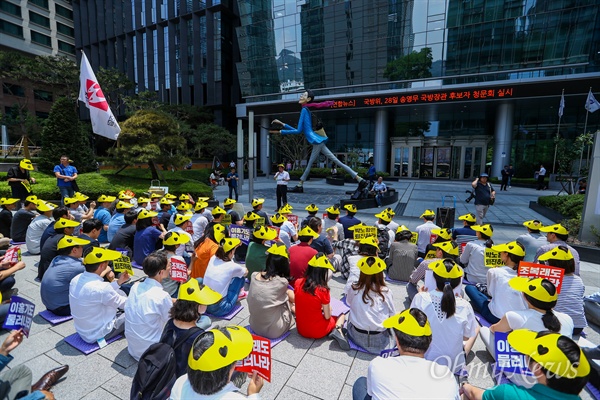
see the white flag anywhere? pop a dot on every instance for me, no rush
(103, 120)
(561, 106)
(591, 103)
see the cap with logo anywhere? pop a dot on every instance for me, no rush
(229, 202)
(265, 233)
(308, 231)
(556, 228)
(191, 291)
(533, 287)
(278, 218)
(510, 247)
(443, 233)
(122, 205)
(311, 208)
(469, 217)
(106, 199)
(200, 205)
(384, 216)
(175, 238)
(181, 218)
(351, 207)
(218, 210)
(251, 216)
(143, 214)
(556, 254)
(26, 164)
(278, 249)
(428, 213)
(449, 247)
(219, 232)
(257, 202)
(406, 323)
(70, 200)
(43, 207)
(533, 224)
(321, 261)
(7, 201)
(70, 241)
(439, 268)
(227, 348)
(333, 210)
(65, 223)
(485, 229)
(371, 265)
(99, 255)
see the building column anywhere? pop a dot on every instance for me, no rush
(265, 165)
(381, 147)
(502, 138)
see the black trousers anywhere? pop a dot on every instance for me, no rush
(281, 195)
(541, 183)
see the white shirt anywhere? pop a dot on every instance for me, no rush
(289, 228)
(182, 390)
(199, 225)
(94, 305)
(282, 178)
(370, 316)
(447, 345)
(407, 377)
(532, 242)
(504, 298)
(393, 227)
(391, 235)
(285, 238)
(34, 232)
(146, 313)
(182, 248)
(353, 272)
(542, 171)
(424, 231)
(532, 320)
(330, 223)
(474, 256)
(208, 215)
(219, 274)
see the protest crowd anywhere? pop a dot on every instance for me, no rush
(524, 299)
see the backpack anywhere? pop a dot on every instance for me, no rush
(383, 237)
(156, 373)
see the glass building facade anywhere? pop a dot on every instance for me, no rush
(429, 88)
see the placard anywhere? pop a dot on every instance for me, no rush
(13, 255)
(226, 220)
(27, 186)
(432, 238)
(189, 229)
(260, 221)
(414, 238)
(259, 360)
(293, 219)
(431, 254)
(241, 232)
(533, 270)
(129, 193)
(20, 315)
(179, 269)
(492, 258)
(507, 358)
(389, 353)
(123, 264)
(363, 232)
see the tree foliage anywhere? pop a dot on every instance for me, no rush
(115, 86)
(415, 65)
(291, 147)
(63, 134)
(210, 140)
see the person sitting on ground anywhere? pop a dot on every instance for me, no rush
(385, 234)
(287, 226)
(147, 237)
(164, 215)
(421, 378)
(371, 302)
(257, 208)
(334, 230)
(561, 371)
(7, 205)
(392, 225)
(118, 218)
(22, 219)
(210, 369)
(190, 306)
(37, 227)
(228, 206)
(142, 204)
(171, 242)
(90, 230)
(349, 219)
(570, 298)
(183, 208)
(423, 273)
(322, 245)
(182, 225)
(8, 269)
(270, 301)
(424, 231)
(591, 305)
(250, 219)
(403, 256)
(503, 297)
(473, 255)
(256, 257)
(103, 214)
(533, 239)
(96, 305)
(468, 219)
(313, 308)
(206, 247)
(207, 213)
(451, 317)
(62, 227)
(199, 220)
(79, 215)
(277, 220)
(367, 247)
(57, 213)
(124, 238)
(54, 289)
(225, 277)
(441, 235)
(148, 305)
(16, 382)
(346, 248)
(312, 212)
(301, 253)
(557, 235)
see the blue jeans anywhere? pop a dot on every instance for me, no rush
(359, 389)
(233, 189)
(227, 303)
(480, 303)
(65, 191)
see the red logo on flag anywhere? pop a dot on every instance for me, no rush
(95, 96)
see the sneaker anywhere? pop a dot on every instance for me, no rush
(340, 339)
(243, 294)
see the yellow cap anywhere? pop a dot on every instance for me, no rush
(311, 208)
(402, 228)
(219, 232)
(142, 200)
(230, 244)
(384, 216)
(286, 209)
(229, 202)
(81, 197)
(485, 229)
(469, 217)
(184, 197)
(200, 205)
(533, 224)
(556, 254)
(191, 291)
(257, 202)
(101, 255)
(351, 208)
(204, 199)
(406, 323)
(70, 200)
(308, 231)
(43, 207)
(556, 228)
(449, 247)
(265, 233)
(321, 262)
(32, 199)
(439, 268)
(371, 265)
(390, 211)
(7, 201)
(442, 233)
(26, 164)
(181, 218)
(70, 241)
(428, 213)
(164, 200)
(333, 210)
(218, 210)
(143, 214)
(510, 247)
(278, 249)
(106, 199)
(533, 287)
(155, 196)
(353, 227)
(278, 218)
(123, 196)
(371, 241)
(122, 205)
(543, 349)
(175, 238)
(183, 206)
(251, 216)
(227, 348)
(170, 196)
(65, 223)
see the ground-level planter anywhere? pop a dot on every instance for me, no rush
(546, 212)
(587, 253)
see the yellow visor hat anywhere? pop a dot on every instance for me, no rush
(233, 345)
(191, 291)
(510, 247)
(371, 265)
(406, 323)
(439, 268)
(533, 287)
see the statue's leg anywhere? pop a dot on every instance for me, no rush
(327, 153)
(316, 150)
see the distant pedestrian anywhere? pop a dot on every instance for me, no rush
(282, 177)
(371, 173)
(505, 178)
(20, 181)
(485, 196)
(66, 175)
(232, 182)
(541, 176)
(511, 173)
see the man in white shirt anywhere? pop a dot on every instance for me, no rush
(282, 177)
(199, 220)
(424, 231)
(420, 378)
(147, 308)
(37, 227)
(96, 305)
(533, 239)
(182, 225)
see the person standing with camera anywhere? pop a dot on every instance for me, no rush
(485, 196)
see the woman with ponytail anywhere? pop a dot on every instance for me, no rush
(451, 317)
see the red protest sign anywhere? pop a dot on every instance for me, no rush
(179, 270)
(13, 255)
(190, 229)
(533, 270)
(433, 238)
(259, 360)
(293, 219)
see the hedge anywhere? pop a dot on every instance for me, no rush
(570, 206)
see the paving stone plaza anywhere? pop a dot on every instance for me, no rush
(302, 368)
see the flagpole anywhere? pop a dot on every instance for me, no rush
(587, 112)
(558, 133)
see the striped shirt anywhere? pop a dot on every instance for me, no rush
(546, 248)
(570, 300)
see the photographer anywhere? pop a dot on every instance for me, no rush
(485, 196)
(378, 190)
